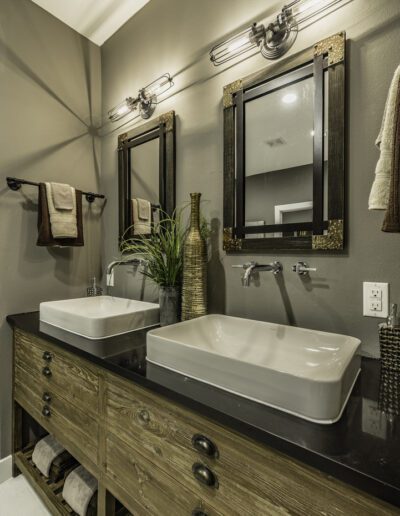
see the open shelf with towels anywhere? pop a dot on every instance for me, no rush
(15, 184)
(50, 492)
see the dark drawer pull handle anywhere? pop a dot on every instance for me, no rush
(46, 397)
(204, 475)
(204, 445)
(46, 371)
(47, 356)
(46, 411)
(198, 512)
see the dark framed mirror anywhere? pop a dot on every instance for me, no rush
(284, 153)
(146, 168)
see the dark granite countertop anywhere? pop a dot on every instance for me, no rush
(362, 449)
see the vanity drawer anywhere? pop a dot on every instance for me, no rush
(253, 480)
(64, 373)
(145, 489)
(163, 434)
(75, 428)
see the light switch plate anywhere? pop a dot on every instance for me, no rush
(376, 299)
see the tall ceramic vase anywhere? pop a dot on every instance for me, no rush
(194, 289)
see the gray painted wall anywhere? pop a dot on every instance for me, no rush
(175, 36)
(49, 102)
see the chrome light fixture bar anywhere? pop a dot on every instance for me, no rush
(145, 101)
(275, 39)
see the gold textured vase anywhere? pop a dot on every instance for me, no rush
(194, 289)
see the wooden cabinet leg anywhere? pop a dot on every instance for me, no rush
(17, 435)
(105, 502)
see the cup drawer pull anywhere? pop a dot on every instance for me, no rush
(46, 397)
(204, 475)
(46, 371)
(47, 356)
(46, 411)
(198, 512)
(204, 445)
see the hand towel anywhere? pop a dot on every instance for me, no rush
(45, 236)
(391, 222)
(63, 222)
(144, 210)
(379, 196)
(141, 226)
(63, 196)
(45, 451)
(79, 488)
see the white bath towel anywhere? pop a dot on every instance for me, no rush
(79, 487)
(63, 222)
(379, 196)
(141, 217)
(45, 451)
(63, 196)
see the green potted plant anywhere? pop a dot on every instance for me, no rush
(163, 252)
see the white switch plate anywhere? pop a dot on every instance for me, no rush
(376, 299)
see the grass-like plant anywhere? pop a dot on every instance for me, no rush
(163, 249)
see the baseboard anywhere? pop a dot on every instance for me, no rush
(5, 469)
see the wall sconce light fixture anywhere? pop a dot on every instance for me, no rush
(145, 101)
(275, 39)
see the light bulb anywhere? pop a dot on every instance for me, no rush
(122, 109)
(238, 44)
(159, 86)
(303, 10)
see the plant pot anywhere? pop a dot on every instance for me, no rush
(169, 305)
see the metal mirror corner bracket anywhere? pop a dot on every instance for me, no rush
(334, 47)
(229, 243)
(284, 160)
(146, 169)
(333, 240)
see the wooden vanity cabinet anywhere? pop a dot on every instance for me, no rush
(155, 456)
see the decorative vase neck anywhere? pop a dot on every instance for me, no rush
(195, 210)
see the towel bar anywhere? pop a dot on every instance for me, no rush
(15, 184)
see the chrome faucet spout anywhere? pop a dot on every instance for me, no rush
(115, 263)
(251, 267)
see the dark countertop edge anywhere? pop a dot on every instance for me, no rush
(327, 465)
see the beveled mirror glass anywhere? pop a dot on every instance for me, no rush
(284, 153)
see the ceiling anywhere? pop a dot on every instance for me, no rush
(96, 19)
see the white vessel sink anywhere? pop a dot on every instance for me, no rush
(304, 372)
(99, 317)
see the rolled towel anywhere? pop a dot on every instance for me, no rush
(45, 451)
(79, 488)
(379, 196)
(63, 196)
(63, 222)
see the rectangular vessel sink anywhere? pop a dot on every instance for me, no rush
(99, 317)
(303, 372)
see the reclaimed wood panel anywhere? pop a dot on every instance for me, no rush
(75, 379)
(148, 490)
(253, 479)
(75, 429)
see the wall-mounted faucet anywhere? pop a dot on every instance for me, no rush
(303, 269)
(251, 267)
(110, 268)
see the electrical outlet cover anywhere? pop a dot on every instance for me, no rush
(376, 299)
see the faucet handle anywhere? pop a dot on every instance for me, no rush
(302, 269)
(244, 265)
